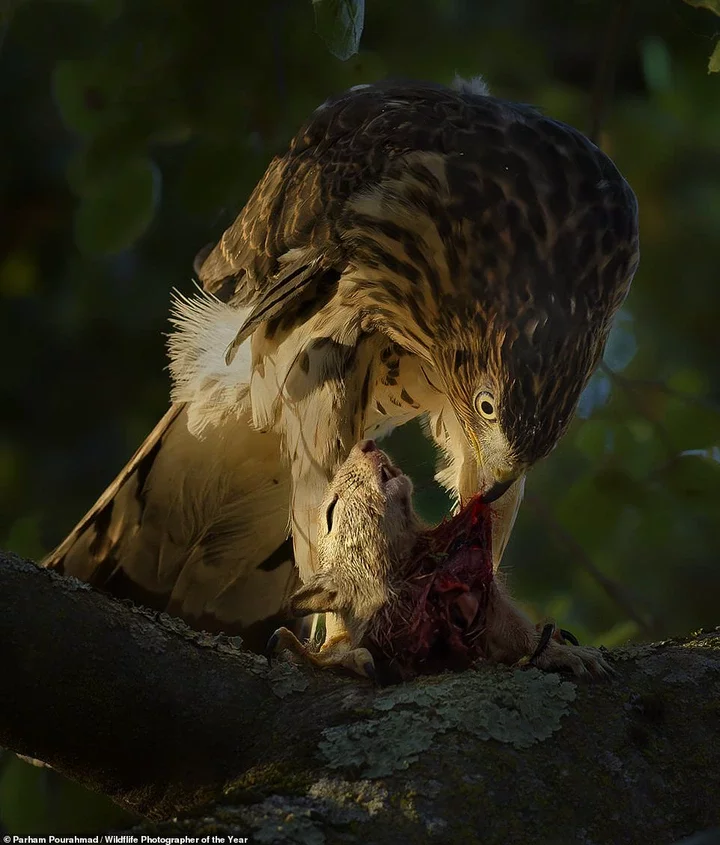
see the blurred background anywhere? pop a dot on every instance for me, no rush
(132, 132)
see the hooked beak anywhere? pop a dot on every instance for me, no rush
(499, 485)
(496, 490)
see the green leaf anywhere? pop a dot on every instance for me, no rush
(690, 382)
(714, 63)
(694, 476)
(113, 147)
(118, 208)
(595, 438)
(637, 450)
(690, 426)
(340, 24)
(711, 5)
(657, 66)
(714, 7)
(80, 96)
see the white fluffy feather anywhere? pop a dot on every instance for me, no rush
(476, 85)
(204, 327)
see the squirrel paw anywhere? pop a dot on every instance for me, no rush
(337, 655)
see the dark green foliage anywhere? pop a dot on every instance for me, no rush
(713, 6)
(340, 24)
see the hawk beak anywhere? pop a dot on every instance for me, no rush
(499, 485)
(496, 490)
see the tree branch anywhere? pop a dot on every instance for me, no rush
(164, 720)
(131, 703)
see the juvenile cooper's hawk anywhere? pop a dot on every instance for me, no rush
(418, 250)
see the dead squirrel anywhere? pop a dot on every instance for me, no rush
(368, 529)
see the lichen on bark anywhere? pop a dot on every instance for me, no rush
(517, 707)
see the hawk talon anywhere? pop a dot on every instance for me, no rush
(570, 637)
(545, 637)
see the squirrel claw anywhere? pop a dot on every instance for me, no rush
(271, 647)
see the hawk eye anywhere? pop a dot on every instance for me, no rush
(329, 514)
(485, 405)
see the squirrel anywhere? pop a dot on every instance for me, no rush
(368, 528)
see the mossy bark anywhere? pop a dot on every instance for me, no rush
(172, 723)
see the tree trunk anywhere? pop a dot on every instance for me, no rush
(165, 721)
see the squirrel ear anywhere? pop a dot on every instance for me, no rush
(319, 595)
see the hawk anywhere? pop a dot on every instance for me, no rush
(419, 250)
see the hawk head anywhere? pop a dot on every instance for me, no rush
(514, 386)
(502, 266)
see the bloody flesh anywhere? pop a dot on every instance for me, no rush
(435, 618)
